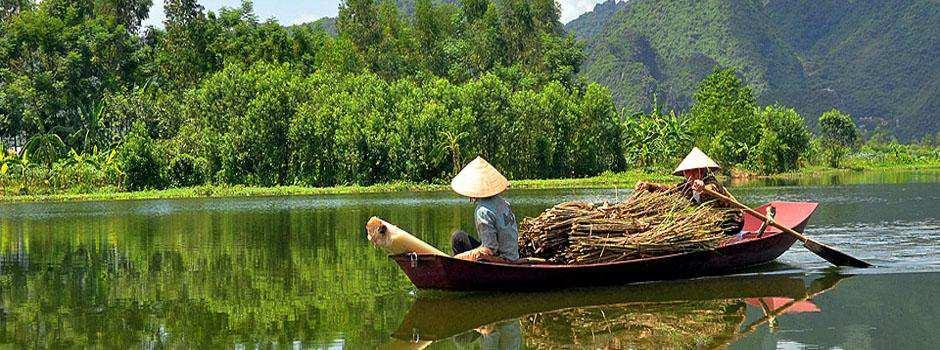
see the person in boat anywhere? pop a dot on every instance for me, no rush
(493, 218)
(697, 169)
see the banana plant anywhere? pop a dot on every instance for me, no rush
(451, 144)
(85, 159)
(14, 167)
(4, 166)
(89, 134)
(4, 169)
(45, 147)
(20, 164)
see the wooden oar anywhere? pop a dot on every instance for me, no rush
(826, 252)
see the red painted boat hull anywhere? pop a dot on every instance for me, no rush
(446, 273)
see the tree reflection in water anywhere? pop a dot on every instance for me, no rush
(700, 314)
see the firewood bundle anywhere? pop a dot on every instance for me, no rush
(647, 224)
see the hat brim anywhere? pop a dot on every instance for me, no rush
(480, 194)
(679, 172)
(479, 179)
(696, 159)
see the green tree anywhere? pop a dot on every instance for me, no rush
(474, 9)
(359, 21)
(60, 58)
(312, 133)
(487, 100)
(249, 109)
(419, 121)
(839, 135)
(185, 170)
(531, 142)
(724, 121)
(559, 110)
(433, 30)
(784, 138)
(486, 48)
(238, 36)
(138, 158)
(655, 139)
(395, 55)
(223, 97)
(598, 144)
(45, 148)
(183, 54)
(340, 56)
(363, 134)
(129, 13)
(92, 133)
(561, 58)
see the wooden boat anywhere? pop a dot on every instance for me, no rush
(436, 272)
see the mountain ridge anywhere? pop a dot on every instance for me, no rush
(870, 59)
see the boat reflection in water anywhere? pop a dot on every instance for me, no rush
(704, 313)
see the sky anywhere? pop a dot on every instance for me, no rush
(302, 11)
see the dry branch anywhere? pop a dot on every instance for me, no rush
(646, 225)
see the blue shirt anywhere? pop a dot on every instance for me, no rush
(496, 226)
(505, 336)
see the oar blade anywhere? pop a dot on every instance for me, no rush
(834, 256)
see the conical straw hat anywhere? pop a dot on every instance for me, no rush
(479, 179)
(696, 160)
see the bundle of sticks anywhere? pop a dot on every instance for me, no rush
(647, 224)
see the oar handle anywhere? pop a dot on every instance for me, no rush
(753, 212)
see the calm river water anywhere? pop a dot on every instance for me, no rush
(298, 272)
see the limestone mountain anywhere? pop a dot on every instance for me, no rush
(872, 59)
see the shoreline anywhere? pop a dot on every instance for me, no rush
(606, 180)
(817, 171)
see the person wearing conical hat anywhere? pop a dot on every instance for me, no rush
(493, 218)
(697, 170)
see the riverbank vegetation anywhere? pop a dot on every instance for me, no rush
(92, 104)
(625, 180)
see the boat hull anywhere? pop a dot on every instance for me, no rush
(446, 273)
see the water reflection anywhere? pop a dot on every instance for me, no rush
(848, 177)
(704, 313)
(297, 271)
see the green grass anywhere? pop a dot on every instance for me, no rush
(873, 161)
(605, 180)
(869, 159)
(818, 170)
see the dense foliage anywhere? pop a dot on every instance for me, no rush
(724, 120)
(90, 101)
(331, 129)
(225, 98)
(142, 168)
(655, 139)
(783, 141)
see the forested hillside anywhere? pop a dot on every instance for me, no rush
(877, 59)
(400, 91)
(874, 59)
